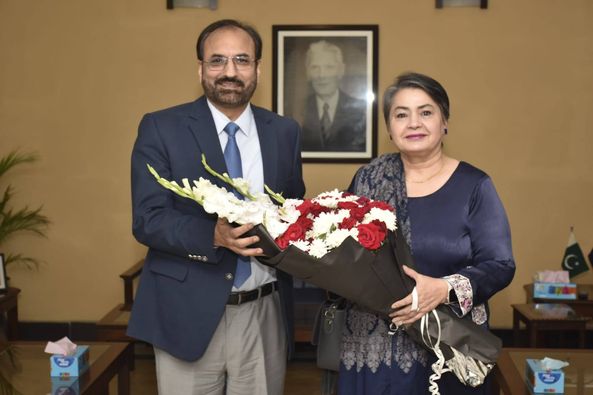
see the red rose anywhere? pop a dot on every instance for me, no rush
(370, 236)
(294, 232)
(281, 242)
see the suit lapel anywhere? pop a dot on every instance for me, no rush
(268, 143)
(201, 125)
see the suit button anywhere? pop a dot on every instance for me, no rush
(192, 257)
(228, 276)
(204, 258)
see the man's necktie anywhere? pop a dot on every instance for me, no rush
(325, 122)
(232, 157)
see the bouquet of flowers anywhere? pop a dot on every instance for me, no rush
(337, 241)
(315, 226)
(351, 246)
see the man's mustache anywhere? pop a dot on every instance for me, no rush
(229, 79)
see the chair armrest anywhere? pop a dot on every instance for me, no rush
(128, 276)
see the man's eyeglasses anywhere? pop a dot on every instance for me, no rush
(217, 63)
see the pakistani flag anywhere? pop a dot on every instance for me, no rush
(574, 260)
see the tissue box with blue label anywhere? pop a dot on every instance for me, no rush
(567, 291)
(544, 381)
(65, 386)
(73, 365)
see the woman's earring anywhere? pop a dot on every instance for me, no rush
(445, 130)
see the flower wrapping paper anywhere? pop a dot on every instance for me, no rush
(374, 280)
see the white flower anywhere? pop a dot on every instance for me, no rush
(302, 245)
(354, 233)
(289, 214)
(222, 204)
(274, 224)
(317, 248)
(324, 224)
(329, 199)
(241, 185)
(335, 238)
(382, 215)
(248, 212)
(203, 188)
(327, 222)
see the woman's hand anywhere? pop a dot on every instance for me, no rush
(431, 292)
(225, 235)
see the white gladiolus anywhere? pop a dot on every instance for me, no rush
(222, 203)
(289, 214)
(275, 226)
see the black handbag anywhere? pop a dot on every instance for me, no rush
(327, 333)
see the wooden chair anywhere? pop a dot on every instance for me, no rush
(112, 327)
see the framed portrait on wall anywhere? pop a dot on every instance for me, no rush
(325, 77)
(3, 285)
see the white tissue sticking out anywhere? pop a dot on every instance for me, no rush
(62, 347)
(552, 364)
(552, 276)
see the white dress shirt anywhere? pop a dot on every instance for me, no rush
(332, 106)
(253, 170)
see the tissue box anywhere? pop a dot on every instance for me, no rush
(543, 381)
(67, 366)
(65, 385)
(566, 291)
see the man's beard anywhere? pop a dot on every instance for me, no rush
(239, 95)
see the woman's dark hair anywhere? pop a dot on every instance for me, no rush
(417, 81)
(226, 23)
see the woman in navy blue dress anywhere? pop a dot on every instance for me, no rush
(458, 232)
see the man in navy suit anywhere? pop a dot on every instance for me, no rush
(333, 120)
(218, 322)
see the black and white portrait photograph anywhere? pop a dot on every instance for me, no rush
(325, 79)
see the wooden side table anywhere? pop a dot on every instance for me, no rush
(547, 316)
(580, 306)
(8, 305)
(31, 374)
(509, 372)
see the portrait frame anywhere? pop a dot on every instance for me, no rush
(3, 281)
(351, 135)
